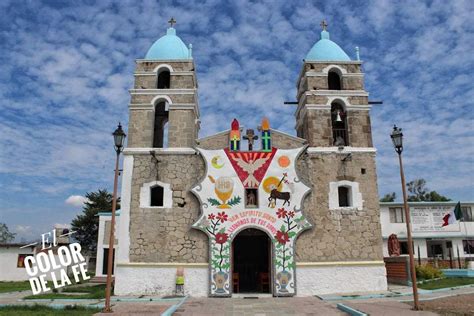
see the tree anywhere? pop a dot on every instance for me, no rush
(389, 197)
(86, 225)
(420, 193)
(5, 235)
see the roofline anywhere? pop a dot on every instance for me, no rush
(143, 60)
(7, 245)
(427, 203)
(333, 61)
(117, 213)
(276, 131)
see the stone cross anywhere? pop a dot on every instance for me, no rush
(324, 25)
(172, 21)
(250, 136)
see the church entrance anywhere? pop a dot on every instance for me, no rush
(251, 262)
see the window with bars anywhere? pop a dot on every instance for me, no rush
(397, 215)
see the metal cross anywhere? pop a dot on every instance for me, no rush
(324, 25)
(172, 21)
(250, 136)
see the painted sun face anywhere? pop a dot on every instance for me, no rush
(272, 183)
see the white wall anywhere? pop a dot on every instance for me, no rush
(136, 279)
(8, 264)
(158, 279)
(320, 280)
(101, 245)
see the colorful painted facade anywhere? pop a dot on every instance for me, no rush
(257, 189)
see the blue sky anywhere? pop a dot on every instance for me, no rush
(67, 67)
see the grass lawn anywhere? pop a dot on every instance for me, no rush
(14, 286)
(91, 292)
(446, 283)
(45, 310)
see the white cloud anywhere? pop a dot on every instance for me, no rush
(76, 200)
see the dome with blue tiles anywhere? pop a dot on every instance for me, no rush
(326, 50)
(169, 47)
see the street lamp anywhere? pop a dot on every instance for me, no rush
(119, 139)
(397, 139)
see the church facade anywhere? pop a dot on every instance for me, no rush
(250, 209)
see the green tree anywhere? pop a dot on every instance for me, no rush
(389, 197)
(418, 192)
(86, 225)
(5, 234)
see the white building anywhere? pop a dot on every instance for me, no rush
(12, 259)
(12, 255)
(432, 242)
(103, 241)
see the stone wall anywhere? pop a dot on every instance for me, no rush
(140, 128)
(165, 234)
(340, 235)
(182, 130)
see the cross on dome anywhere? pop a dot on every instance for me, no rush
(172, 21)
(324, 25)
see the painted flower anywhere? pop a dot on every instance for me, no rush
(281, 213)
(222, 216)
(221, 238)
(291, 214)
(282, 237)
(211, 216)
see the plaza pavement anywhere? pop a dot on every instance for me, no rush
(266, 306)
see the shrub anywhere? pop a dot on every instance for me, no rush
(427, 272)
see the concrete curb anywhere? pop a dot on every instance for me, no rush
(174, 307)
(390, 295)
(350, 310)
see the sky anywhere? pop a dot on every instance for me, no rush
(66, 67)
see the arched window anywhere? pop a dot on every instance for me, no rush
(334, 80)
(344, 195)
(161, 120)
(156, 196)
(163, 79)
(339, 125)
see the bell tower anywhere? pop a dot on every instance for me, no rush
(333, 107)
(333, 116)
(164, 110)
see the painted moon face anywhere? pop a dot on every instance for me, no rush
(284, 161)
(217, 162)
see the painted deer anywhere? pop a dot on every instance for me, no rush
(277, 195)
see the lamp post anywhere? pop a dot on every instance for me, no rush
(397, 139)
(119, 138)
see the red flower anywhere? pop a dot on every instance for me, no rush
(221, 238)
(222, 216)
(282, 237)
(291, 214)
(211, 216)
(281, 213)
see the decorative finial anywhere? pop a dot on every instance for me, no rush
(172, 21)
(324, 25)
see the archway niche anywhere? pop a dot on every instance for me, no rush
(251, 262)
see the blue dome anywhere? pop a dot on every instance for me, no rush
(326, 50)
(169, 46)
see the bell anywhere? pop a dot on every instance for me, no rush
(338, 117)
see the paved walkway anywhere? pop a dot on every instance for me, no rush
(257, 307)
